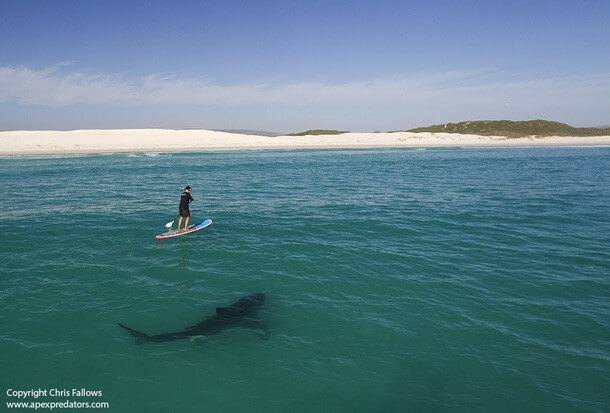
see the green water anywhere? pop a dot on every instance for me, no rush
(397, 280)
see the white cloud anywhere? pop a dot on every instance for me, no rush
(52, 88)
(456, 94)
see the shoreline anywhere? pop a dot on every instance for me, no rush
(98, 141)
(83, 152)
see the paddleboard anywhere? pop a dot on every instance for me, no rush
(177, 233)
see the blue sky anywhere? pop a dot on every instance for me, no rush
(287, 66)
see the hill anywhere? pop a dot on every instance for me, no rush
(319, 132)
(514, 129)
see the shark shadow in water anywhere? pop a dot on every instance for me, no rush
(241, 313)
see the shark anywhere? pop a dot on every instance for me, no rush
(240, 313)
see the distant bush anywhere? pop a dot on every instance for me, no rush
(513, 129)
(319, 132)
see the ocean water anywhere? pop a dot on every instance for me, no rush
(396, 280)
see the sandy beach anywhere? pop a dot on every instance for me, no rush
(142, 140)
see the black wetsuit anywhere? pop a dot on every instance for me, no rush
(185, 199)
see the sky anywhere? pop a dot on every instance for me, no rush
(287, 66)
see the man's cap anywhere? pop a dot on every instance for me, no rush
(187, 187)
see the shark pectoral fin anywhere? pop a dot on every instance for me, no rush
(140, 337)
(257, 324)
(266, 332)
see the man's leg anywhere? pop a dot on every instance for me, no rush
(186, 223)
(179, 221)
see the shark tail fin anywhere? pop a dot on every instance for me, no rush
(138, 335)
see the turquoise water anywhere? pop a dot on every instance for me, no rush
(397, 280)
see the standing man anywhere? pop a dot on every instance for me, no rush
(185, 199)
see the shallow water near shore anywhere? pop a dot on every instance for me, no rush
(396, 280)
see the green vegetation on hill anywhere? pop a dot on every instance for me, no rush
(319, 132)
(512, 129)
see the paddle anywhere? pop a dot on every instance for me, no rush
(169, 224)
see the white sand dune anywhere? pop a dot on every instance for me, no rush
(166, 140)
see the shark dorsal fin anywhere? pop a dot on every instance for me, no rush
(220, 311)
